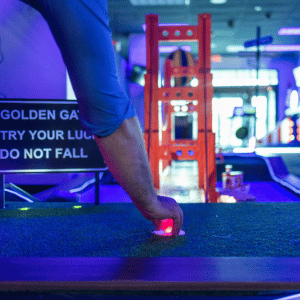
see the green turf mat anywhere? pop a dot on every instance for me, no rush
(119, 230)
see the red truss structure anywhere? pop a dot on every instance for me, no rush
(203, 148)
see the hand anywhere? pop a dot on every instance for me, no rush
(169, 209)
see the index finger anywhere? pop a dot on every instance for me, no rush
(177, 223)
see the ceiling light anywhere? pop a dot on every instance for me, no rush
(186, 48)
(238, 48)
(258, 8)
(218, 1)
(159, 2)
(178, 102)
(235, 48)
(289, 31)
(169, 49)
(283, 48)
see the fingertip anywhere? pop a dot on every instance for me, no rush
(177, 224)
(176, 229)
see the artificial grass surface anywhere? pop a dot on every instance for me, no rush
(119, 230)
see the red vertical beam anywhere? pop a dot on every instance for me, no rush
(151, 123)
(207, 40)
(200, 107)
(168, 109)
(205, 71)
(166, 134)
(211, 176)
(206, 161)
(204, 67)
(167, 73)
(167, 104)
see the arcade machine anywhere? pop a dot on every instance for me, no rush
(247, 116)
(271, 153)
(287, 131)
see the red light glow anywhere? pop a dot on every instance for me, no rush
(166, 228)
(167, 225)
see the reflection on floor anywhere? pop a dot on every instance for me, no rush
(180, 181)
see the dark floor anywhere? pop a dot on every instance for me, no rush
(149, 296)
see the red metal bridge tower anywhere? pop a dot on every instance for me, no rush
(203, 148)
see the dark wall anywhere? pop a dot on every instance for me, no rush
(32, 66)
